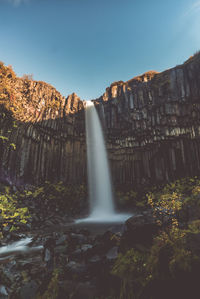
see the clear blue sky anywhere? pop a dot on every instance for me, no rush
(83, 46)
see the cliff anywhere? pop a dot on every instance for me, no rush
(151, 125)
(48, 133)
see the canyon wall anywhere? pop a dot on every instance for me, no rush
(48, 134)
(151, 125)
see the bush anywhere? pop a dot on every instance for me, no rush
(10, 211)
(171, 267)
(131, 269)
(59, 197)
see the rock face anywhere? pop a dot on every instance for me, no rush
(49, 135)
(151, 124)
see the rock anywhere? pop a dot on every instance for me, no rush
(76, 268)
(24, 227)
(79, 238)
(102, 244)
(6, 228)
(62, 240)
(95, 259)
(12, 236)
(85, 247)
(29, 290)
(112, 253)
(60, 249)
(82, 253)
(77, 290)
(49, 251)
(140, 229)
(193, 243)
(47, 255)
(118, 229)
(3, 292)
(77, 254)
(151, 124)
(85, 290)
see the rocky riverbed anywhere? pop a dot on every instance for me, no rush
(45, 254)
(78, 257)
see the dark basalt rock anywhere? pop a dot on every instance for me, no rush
(76, 290)
(112, 253)
(3, 292)
(151, 125)
(140, 230)
(29, 290)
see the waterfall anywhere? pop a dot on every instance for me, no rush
(99, 181)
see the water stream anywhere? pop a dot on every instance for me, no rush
(21, 246)
(99, 180)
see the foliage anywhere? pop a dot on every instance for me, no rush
(7, 123)
(6, 74)
(171, 256)
(165, 206)
(53, 287)
(11, 213)
(126, 197)
(194, 226)
(27, 77)
(131, 198)
(187, 189)
(131, 269)
(58, 196)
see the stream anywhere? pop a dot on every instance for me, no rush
(78, 249)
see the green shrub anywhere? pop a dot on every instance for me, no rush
(131, 269)
(53, 287)
(11, 212)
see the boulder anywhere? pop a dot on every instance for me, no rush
(73, 290)
(3, 292)
(29, 290)
(76, 268)
(140, 230)
(112, 253)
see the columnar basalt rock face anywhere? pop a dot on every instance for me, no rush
(49, 135)
(151, 124)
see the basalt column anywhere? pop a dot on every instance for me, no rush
(152, 125)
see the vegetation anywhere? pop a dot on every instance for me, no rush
(169, 267)
(194, 56)
(17, 207)
(59, 197)
(27, 77)
(131, 269)
(166, 268)
(52, 288)
(6, 98)
(6, 75)
(12, 213)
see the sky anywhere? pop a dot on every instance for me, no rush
(83, 46)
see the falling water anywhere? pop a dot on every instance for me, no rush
(99, 181)
(100, 190)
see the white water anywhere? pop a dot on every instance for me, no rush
(99, 181)
(20, 246)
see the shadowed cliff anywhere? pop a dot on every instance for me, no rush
(48, 133)
(151, 125)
